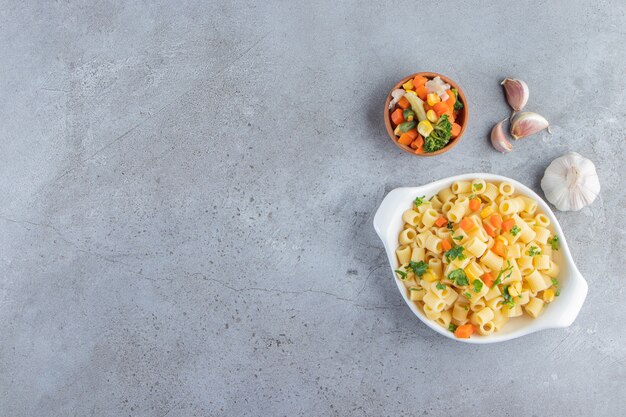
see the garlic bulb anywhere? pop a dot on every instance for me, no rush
(570, 182)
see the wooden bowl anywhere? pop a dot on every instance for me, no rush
(461, 118)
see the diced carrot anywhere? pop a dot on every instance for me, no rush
(451, 99)
(464, 331)
(397, 117)
(413, 133)
(467, 224)
(508, 224)
(418, 144)
(422, 92)
(419, 81)
(403, 103)
(498, 248)
(456, 129)
(440, 108)
(449, 114)
(496, 220)
(441, 221)
(474, 204)
(405, 139)
(446, 245)
(490, 231)
(487, 278)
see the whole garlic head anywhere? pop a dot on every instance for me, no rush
(571, 182)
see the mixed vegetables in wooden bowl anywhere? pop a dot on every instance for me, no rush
(426, 114)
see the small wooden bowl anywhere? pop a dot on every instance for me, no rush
(461, 118)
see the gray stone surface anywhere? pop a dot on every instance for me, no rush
(187, 195)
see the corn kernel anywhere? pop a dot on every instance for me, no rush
(408, 85)
(515, 289)
(486, 212)
(429, 276)
(397, 131)
(432, 99)
(431, 115)
(503, 240)
(472, 271)
(424, 128)
(548, 295)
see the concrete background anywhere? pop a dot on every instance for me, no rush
(187, 195)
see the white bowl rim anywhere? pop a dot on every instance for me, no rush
(577, 286)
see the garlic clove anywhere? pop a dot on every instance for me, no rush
(516, 93)
(527, 123)
(499, 140)
(570, 182)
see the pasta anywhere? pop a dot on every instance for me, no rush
(476, 255)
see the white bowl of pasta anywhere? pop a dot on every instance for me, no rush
(480, 258)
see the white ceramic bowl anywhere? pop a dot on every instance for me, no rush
(560, 313)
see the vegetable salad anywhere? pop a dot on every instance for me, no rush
(423, 114)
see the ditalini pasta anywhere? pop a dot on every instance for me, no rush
(476, 255)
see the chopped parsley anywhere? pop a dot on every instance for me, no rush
(508, 300)
(554, 242)
(402, 274)
(555, 283)
(449, 225)
(478, 285)
(454, 253)
(515, 230)
(440, 286)
(457, 104)
(452, 327)
(419, 268)
(459, 238)
(508, 269)
(458, 277)
(477, 187)
(419, 201)
(534, 251)
(467, 295)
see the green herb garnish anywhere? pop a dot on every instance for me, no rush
(440, 136)
(467, 295)
(478, 285)
(457, 104)
(555, 282)
(508, 300)
(509, 269)
(452, 327)
(554, 242)
(558, 292)
(515, 230)
(419, 201)
(459, 238)
(402, 274)
(458, 277)
(534, 251)
(419, 268)
(454, 253)
(440, 286)
(450, 225)
(477, 187)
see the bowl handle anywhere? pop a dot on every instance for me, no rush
(578, 289)
(390, 203)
